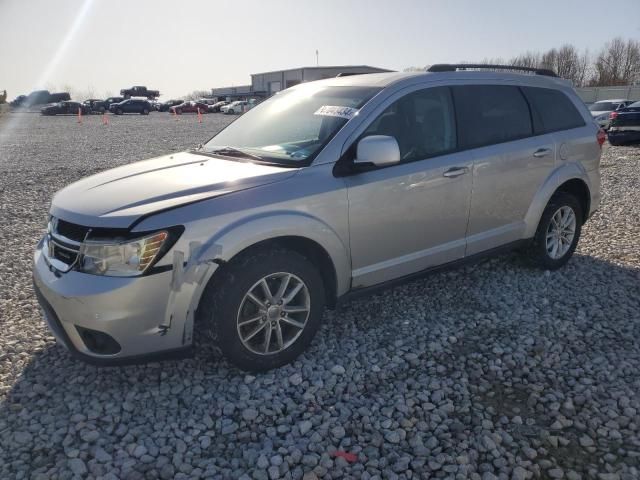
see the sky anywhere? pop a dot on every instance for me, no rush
(178, 46)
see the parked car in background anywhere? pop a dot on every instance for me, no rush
(104, 106)
(165, 106)
(131, 105)
(139, 91)
(217, 106)
(600, 110)
(624, 125)
(189, 107)
(329, 189)
(65, 108)
(238, 106)
(94, 105)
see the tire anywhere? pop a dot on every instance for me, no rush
(231, 111)
(118, 111)
(225, 302)
(144, 112)
(540, 252)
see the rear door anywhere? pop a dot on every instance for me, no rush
(554, 114)
(510, 163)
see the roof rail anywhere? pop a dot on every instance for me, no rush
(446, 67)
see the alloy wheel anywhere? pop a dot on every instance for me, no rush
(273, 313)
(561, 232)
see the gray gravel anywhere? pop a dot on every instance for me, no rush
(491, 371)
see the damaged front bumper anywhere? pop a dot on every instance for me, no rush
(121, 320)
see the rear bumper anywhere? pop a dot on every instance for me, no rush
(617, 134)
(145, 317)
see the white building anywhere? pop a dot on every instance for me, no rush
(267, 83)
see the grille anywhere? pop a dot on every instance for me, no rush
(67, 256)
(74, 232)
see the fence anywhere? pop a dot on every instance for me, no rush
(593, 94)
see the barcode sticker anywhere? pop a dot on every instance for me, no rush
(336, 111)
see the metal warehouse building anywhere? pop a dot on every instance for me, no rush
(267, 83)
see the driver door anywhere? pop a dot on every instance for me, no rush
(413, 215)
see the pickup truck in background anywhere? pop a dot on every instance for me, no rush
(39, 97)
(139, 91)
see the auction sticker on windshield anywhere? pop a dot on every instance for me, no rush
(336, 111)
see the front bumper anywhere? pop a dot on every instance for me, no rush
(148, 317)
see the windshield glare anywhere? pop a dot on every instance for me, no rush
(293, 126)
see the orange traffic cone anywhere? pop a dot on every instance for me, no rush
(175, 115)
(199, 115)
(105, 119)
(79, 115)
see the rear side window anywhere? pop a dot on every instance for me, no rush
(552, 110)
(490, 114)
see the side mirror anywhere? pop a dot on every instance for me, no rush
(379, 150)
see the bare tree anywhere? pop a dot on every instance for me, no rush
(618, 63)
(527, 59)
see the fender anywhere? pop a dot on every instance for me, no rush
(562, 174)
(248, 231)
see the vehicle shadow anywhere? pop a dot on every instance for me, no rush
(58, 408)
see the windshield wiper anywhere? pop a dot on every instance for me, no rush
(234, 152)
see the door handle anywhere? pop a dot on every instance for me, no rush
(455, 172)
(542, 152)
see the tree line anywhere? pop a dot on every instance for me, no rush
(616, 63)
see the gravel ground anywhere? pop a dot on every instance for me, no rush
(492, 371)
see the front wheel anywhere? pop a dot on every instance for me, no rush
(558, 232)
(265, 309)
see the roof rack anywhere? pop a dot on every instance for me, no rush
(446, 67)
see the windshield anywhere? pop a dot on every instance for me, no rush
(292, 127)
(603, 106)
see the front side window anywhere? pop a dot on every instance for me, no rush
(490, 114)
(552, 110)
(422, 122)
(292, 127)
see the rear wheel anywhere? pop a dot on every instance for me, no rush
(265, 309)
(145, 111)
(558, 232)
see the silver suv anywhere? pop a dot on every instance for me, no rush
(326, 190)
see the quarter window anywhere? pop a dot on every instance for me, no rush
(490, 114)
(422, 122)
(552, 110)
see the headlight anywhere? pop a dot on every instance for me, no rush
(121, 259)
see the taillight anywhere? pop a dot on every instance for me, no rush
(601, 137)
(613, 115)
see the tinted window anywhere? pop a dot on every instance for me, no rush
(552, 110)
(422, 122)
(489, 114)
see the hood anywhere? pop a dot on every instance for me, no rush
(116, 198)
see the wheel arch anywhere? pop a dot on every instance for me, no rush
(308, 248)
(572, 179)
